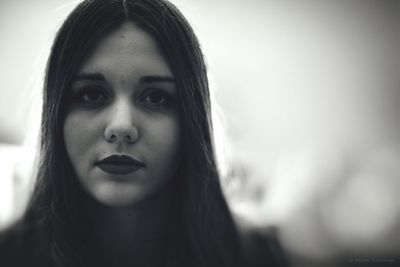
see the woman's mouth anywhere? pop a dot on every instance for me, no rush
(119, 164)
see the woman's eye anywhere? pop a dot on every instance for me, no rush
(92, 96)
(157, 99)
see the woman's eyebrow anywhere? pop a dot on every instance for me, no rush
(156, 78)
(144, 79)
(90, 77)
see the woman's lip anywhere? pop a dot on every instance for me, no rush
(119, 164)
(120, 169)
(121, 159)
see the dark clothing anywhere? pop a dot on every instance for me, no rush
(20, 247)
(262, 250)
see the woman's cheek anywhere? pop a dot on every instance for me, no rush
(165, 143)
(80, 133)
(163, 134)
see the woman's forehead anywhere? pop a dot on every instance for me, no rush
(125, 51)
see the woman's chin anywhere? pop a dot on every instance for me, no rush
(117, 194)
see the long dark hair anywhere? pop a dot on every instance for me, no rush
(208, 233)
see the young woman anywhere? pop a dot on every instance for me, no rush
(128, 175)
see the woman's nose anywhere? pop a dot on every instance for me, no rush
(121, 126)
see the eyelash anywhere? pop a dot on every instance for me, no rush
(102, 97)
(165, 102)
(79, 98)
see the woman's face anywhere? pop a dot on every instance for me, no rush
(121, 130)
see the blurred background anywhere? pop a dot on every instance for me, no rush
(307, 99)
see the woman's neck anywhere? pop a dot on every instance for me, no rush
(136, 233)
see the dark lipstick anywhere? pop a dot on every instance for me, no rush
(119, 164)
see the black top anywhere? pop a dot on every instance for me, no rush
(19, 247)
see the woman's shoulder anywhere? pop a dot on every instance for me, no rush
(18, 245)
(261, 245)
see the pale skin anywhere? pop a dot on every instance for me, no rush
(123, 102)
